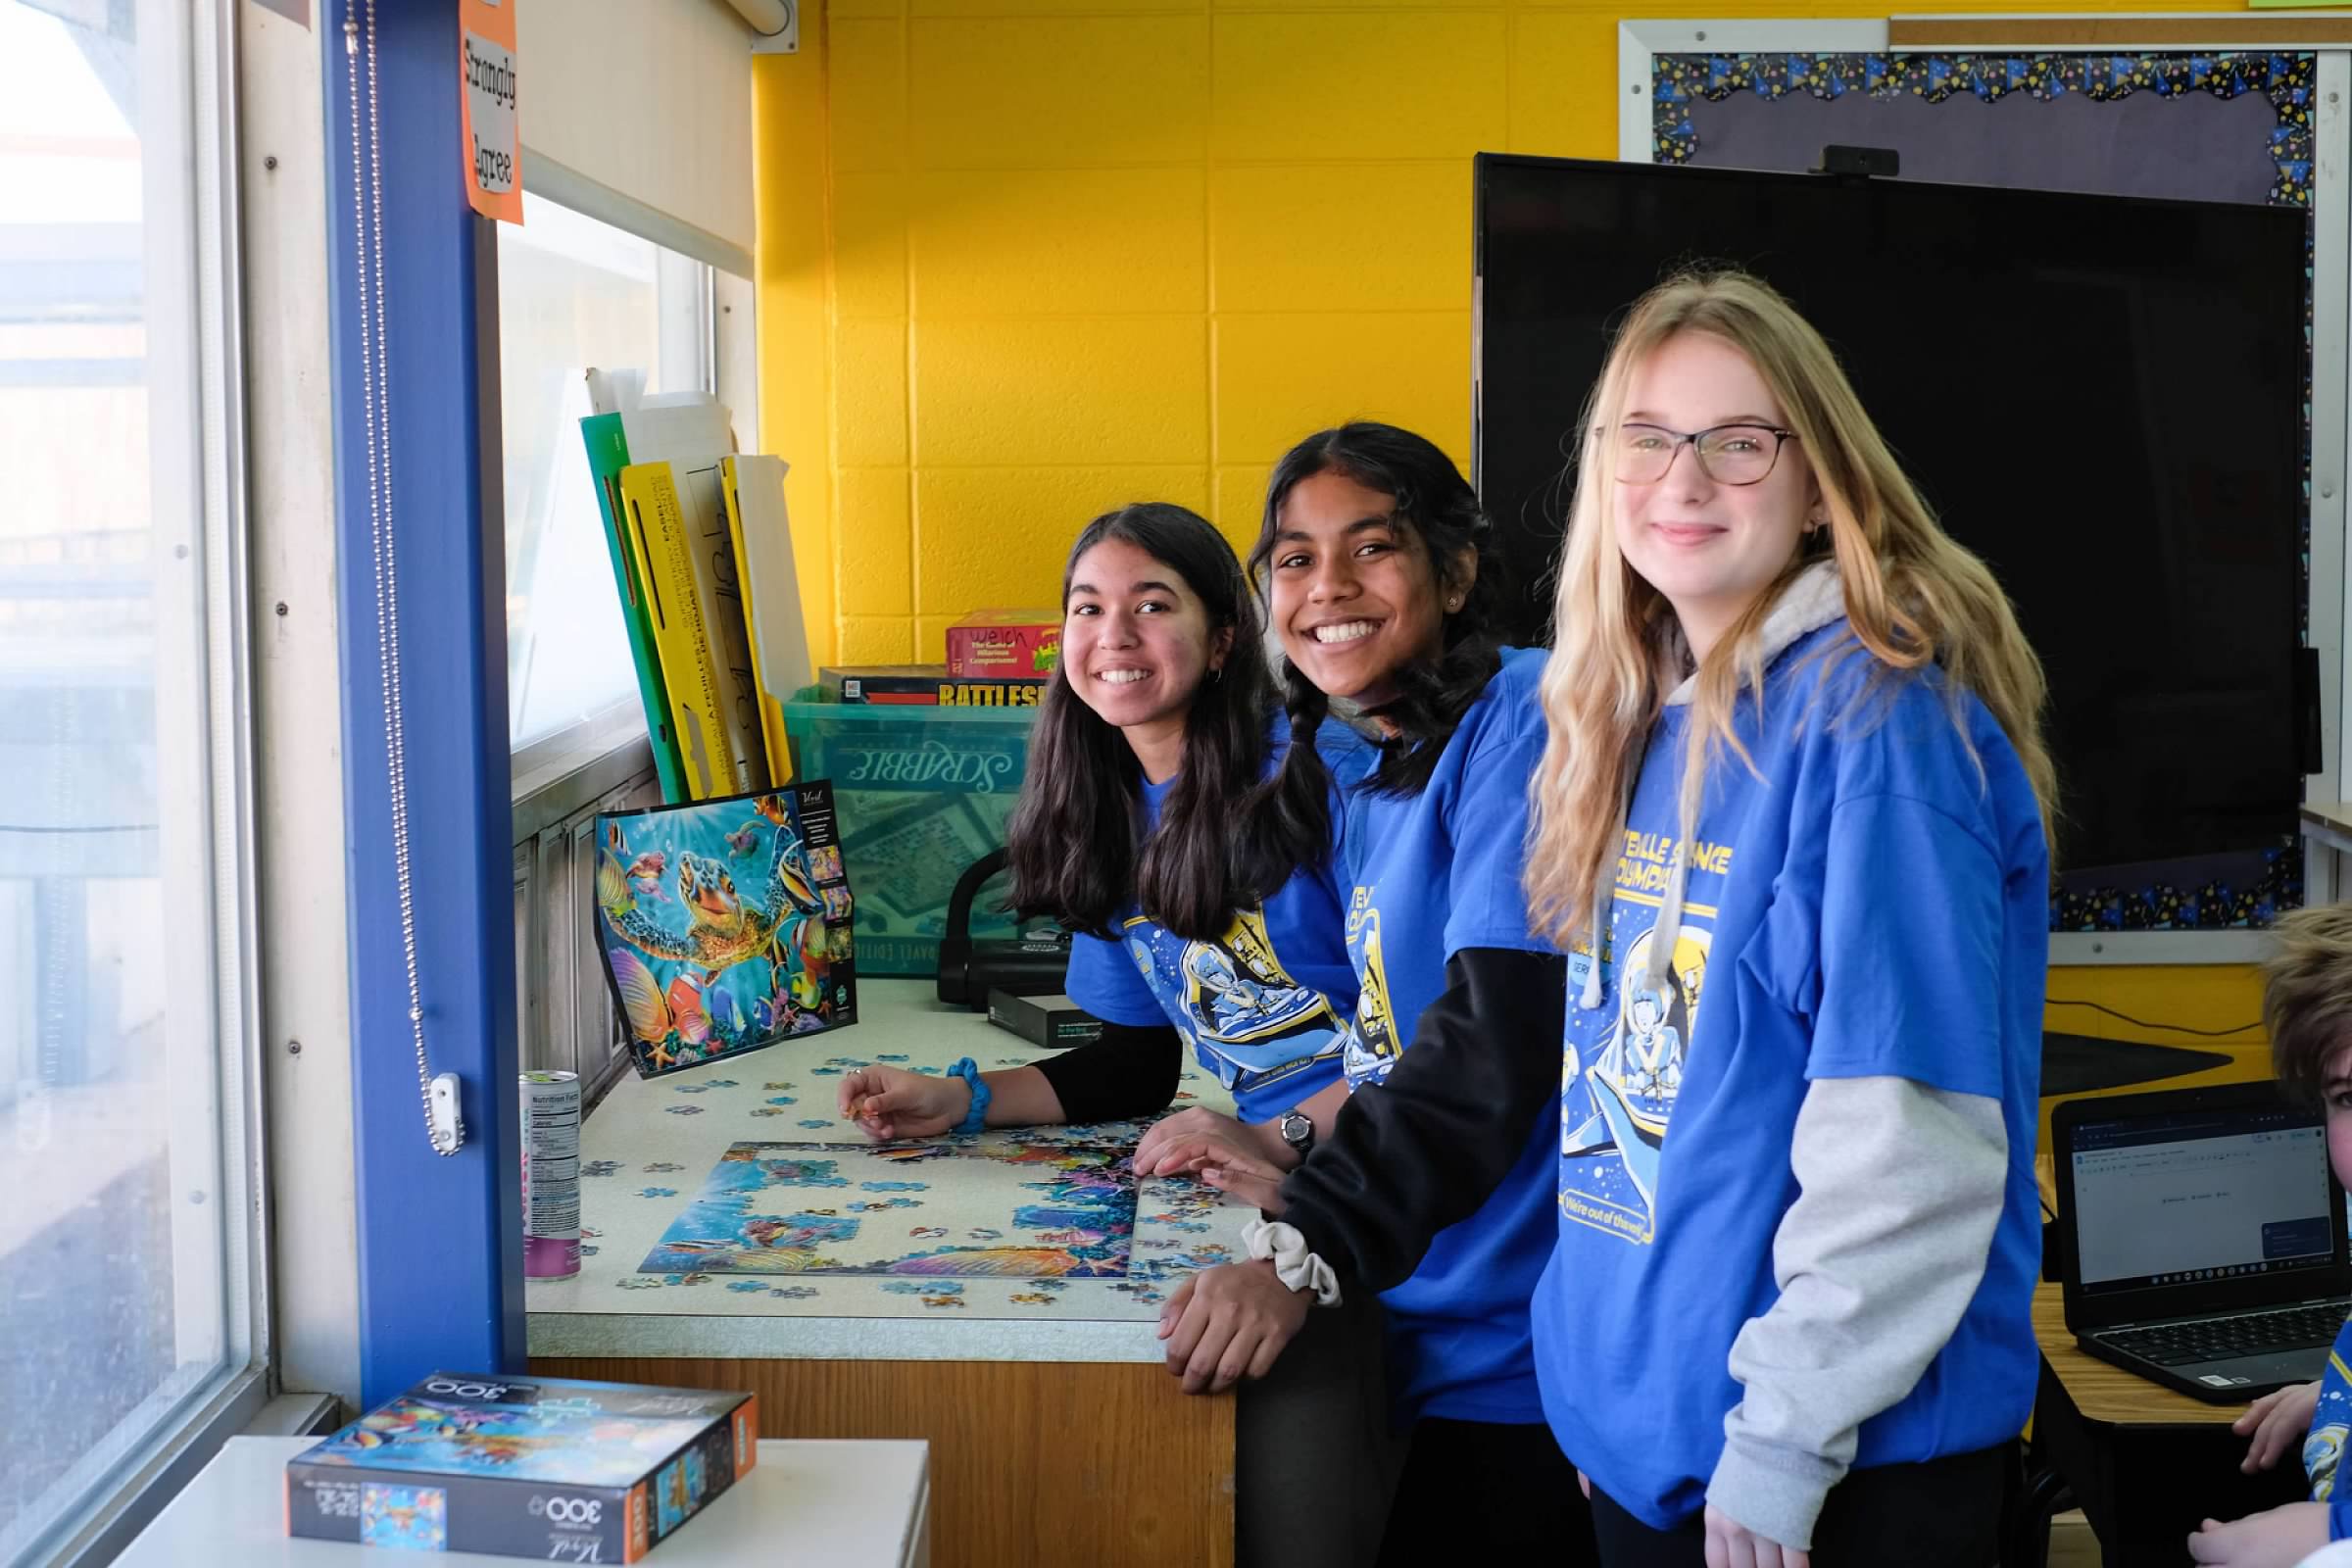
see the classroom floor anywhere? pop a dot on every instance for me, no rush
(2071, 1544)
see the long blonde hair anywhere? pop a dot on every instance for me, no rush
(1912, 597)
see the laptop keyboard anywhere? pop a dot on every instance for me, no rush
(2218, 1339)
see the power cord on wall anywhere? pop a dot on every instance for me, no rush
(2170, 1028)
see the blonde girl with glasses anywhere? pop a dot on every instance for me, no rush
(1789, 826)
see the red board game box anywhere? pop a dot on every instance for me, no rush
(1005, 645)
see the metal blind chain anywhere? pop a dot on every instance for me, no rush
(437, 1095)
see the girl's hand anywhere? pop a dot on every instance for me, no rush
(2278, 1538)
(1250, 1181)
(1228, 1323)
(887, 1103)
(1179, 1145)
(1732, 1545)
(2278, 1423)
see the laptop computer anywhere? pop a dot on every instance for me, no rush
(2201, 1237)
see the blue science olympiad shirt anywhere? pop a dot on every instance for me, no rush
(1433, 874)
(1263, 1007)
(1870, 900)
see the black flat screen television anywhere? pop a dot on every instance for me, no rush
(2103, 397)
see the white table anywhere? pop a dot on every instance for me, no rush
(850, 1504)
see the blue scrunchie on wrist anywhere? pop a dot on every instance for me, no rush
(977, 1117)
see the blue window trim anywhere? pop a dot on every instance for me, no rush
(440, 1283)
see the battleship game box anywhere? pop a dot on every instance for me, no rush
(550, 1468)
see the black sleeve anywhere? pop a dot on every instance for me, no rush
(1411, 1155)
(1131, 1071)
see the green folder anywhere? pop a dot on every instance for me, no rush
(608, 454)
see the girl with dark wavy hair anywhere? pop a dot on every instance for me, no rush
(1380, 574)
(1158, 730)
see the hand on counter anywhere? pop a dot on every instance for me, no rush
(1228, 1323)
(2277, 1422)
(887, 1103)
(1194, 1139)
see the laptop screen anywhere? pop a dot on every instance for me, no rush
(2199, 1195)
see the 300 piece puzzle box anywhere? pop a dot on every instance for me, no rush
(550, 1468)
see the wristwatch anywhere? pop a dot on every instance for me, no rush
(1297, 1130)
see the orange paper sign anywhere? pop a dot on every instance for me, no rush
(487, 90)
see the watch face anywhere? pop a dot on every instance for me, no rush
(1297, 1130)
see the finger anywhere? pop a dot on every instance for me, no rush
(1178, 1153)
(1240, 1350)
(1147, 1148)
(1585, 1481)
(1269, 1351)
(1719, 1551)
(1173, 1311)
(1739, 1548)
(1259, 1192)
(2269, 1441)
(1185, 1339)
(1250, 1164)
(851, 1088)
(1201, 1373)
(1791, 1557)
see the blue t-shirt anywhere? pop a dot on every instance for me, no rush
(1434, 873)
(1870, 901)
(2331, 1425)
(1262, 1007)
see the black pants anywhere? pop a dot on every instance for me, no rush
(1942, 1514)
(1472, 1492)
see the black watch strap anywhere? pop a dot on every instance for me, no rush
(1297, 1130)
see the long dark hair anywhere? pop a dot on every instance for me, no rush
(1290, 816)
(1077, 849)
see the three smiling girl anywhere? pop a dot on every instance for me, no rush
(1788, 740)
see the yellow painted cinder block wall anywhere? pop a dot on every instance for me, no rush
(1024, 260)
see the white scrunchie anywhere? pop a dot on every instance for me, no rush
(1294, 1265)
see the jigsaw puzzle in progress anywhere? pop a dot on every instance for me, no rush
(1004, 1206)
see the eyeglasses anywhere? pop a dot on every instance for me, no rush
(1729, 454)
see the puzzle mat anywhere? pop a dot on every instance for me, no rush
(644, 1153)
(1002, 1207)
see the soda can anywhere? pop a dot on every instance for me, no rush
(550, 1175)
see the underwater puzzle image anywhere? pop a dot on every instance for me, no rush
(1046, 1207)
(552, 1441)
(726, 925)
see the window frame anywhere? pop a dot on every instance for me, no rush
(192, 310)
(725, 351)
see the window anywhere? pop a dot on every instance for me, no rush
(130, 1310)
(574, 293)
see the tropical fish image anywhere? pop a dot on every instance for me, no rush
(1053, 1211)
(719, 934)
(645, 876)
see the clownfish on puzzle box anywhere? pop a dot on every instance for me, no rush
(551, 1468)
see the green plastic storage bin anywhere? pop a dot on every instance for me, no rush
(921, 793)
